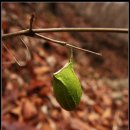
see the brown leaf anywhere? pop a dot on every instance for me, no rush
(81, 114)
(41, 70)
(28, 110)
(45, 91)
(93, 116)
(34, 84)
(107, 113)
(77, 124)
(17, 126)
(36, 100)
(16, 111)
(55, 114)
(100, 127)
(46, 126)
(107, 100)
(66, 115)
(98, 109)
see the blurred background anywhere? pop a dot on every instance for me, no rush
(28, 101)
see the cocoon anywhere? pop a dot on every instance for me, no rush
(67, 87)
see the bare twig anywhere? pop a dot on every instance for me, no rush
(26, 32)
(28, 52)
(49, 39)
(65, 44)
(31, 22)
(21, 63)
(69, 45)
(34, 33)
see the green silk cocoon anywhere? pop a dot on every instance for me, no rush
(67, 87)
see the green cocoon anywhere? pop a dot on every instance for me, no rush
(67, 87)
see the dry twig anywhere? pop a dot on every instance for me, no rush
(34, 33)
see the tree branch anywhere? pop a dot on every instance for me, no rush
(27, 32)
(34, 33)
(65, 44)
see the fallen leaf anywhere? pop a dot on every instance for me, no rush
(77, 124)
(107, 113)
(98, 109)
(66, 115)
(107, 100)
(16, 111)
(45, 126)
(34, 84)
(93, 116)
(41, 70)
(28, 109)
(17, 126)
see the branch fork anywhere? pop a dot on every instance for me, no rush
(34, 33)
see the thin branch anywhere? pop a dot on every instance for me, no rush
(21, 63)
(117, 30)
(34, 33)
(26, 32)
(49, 39)
(65, 44)
(31, 22)
(69, 45)
(28, 52)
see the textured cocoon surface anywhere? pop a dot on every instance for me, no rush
(67, 87)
